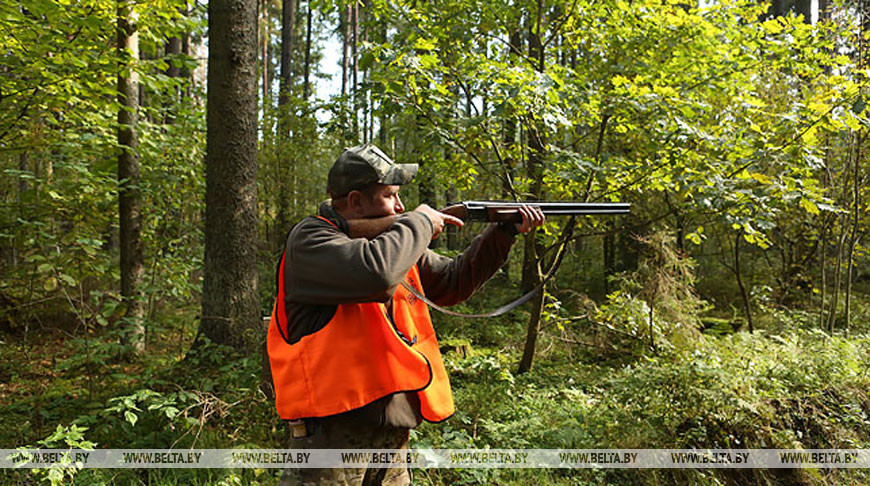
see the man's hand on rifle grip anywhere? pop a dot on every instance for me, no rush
(439, 220)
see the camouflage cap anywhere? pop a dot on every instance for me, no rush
(360, 166)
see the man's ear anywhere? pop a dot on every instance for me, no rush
(354, 201)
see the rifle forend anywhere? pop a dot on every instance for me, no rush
(503, 211)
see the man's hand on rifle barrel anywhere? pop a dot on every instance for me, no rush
(533, 217)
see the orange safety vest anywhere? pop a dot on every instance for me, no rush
(359, 357)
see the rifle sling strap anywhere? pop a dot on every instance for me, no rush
(501, 310)
(557, 260)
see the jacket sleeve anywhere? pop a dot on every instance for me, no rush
(326, 267)
(451, 281)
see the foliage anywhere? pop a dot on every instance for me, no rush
(723, 125)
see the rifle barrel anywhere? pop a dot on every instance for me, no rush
(556, 207)
(507, 211)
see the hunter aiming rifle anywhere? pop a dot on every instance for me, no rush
(493, 212)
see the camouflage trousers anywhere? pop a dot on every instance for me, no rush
(343, 432)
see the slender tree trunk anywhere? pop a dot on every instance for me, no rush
(286, 162)
(382, 131)
(172, 50)
(129, 197)
(835, 296)
(428, 196)
(535, 171)
(345, 55)
(355, 86)
(288, 24)
(364, 106)
(853, 238)
(144, 93)
(509, 138)
(230, 304)
(609, 255)
(823, 249)
(306, 90)
(265, 42)
(186, 72)
(747, 308)
(452, 231)
(22, 187)
(652, 335)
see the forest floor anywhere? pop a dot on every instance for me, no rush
(787, 385)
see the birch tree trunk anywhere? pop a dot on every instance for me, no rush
(129, 196)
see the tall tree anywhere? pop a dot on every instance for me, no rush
(354, 52)
(306, 90)
(288, 33)
(345, 24)
(172, 51)
(288, 26)
(229, 295)
(537, 144)
(860, 136)
(129, 196)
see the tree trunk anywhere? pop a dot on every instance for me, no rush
(609, 255)
(535, 172)
(534, 324)
(853, 238)
(863, 62)
(747, 308)
(172, 51)
(266, 62)
(353, 91)
(509, 138)
(428, 196)
(288, 23)
(823, 249)
(22, 187)
(452, 231)
(129, 197)
(835, 295)
(230, 304)
(285, 135)
(144, 93)
(652, 335)
(186, 72)
(345, 50)
(306, 90)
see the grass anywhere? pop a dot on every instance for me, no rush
(785, 386)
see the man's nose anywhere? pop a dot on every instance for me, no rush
(400, 208)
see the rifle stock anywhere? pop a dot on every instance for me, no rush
(508, 212)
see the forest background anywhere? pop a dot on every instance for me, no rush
(154, 155)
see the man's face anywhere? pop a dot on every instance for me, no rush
(380, 201)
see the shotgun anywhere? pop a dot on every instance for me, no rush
(508, 212)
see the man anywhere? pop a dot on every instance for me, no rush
(354, 358)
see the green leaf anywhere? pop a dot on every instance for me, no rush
(809, 206)
(424, 44)
(68, 280)
(131, 417)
